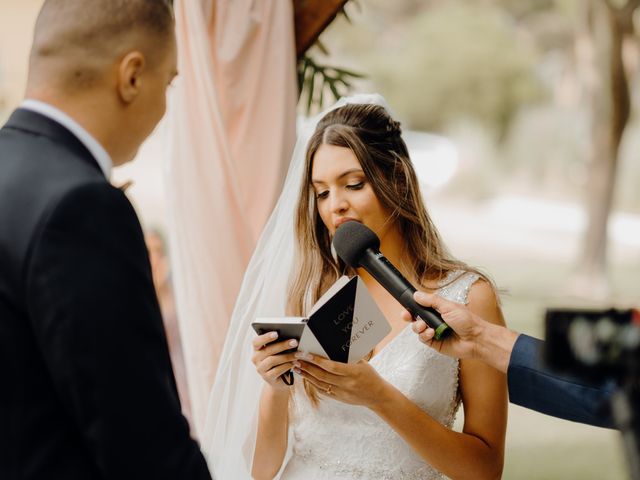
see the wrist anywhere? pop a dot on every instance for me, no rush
(494, 344)
(382, 398)
(277, 393)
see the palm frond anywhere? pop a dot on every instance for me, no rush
(315, 81)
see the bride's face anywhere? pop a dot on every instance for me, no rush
(343, 192)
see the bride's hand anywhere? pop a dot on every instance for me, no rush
(354, 383)
(269, 360)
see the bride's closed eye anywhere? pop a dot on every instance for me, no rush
(350, 186)
(355, 186)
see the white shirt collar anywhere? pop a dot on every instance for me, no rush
(94, 147)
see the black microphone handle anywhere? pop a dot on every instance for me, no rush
(394, 282)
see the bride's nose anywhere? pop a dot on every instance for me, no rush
(339, 203)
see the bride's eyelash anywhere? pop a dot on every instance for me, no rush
(352, 186)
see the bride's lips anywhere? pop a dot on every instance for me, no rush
(342, 220)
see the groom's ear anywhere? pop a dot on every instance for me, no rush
(129, 80)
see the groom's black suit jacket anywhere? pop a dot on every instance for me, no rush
(86, 385)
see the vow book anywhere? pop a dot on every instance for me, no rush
(345, 324)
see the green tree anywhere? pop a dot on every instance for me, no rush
(465, 60)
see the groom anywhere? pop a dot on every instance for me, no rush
(87, 387)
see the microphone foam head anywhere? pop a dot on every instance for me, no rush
(352, 239)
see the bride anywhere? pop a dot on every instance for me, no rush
(388, 416)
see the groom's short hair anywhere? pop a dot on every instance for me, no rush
(88, 34)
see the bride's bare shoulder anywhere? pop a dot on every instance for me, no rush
(483, 300)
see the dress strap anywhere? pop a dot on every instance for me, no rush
(458, 289)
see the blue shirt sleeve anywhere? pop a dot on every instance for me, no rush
(533, 386)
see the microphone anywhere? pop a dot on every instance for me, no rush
(359, 246)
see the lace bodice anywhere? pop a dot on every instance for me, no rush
(341, 441)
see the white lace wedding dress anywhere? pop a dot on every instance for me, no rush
(341, 441)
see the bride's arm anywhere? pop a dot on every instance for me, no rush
(478, 451)
(273, 415)
(273, 425)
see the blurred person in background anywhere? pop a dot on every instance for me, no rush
(161, 272)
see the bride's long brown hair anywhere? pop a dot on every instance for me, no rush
(375, 139)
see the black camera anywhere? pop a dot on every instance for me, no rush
(596, 345)
(599, 346)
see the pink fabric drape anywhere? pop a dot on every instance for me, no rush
(232, 118)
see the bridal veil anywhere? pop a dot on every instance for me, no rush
(231, 421)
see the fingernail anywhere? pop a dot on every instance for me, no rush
(273, 335)
(293, 343)
(297, 364)
(297, 370)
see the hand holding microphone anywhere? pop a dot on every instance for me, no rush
(358, 246)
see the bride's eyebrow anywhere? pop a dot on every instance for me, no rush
(342, 175)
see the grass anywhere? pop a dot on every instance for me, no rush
(542, 447)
